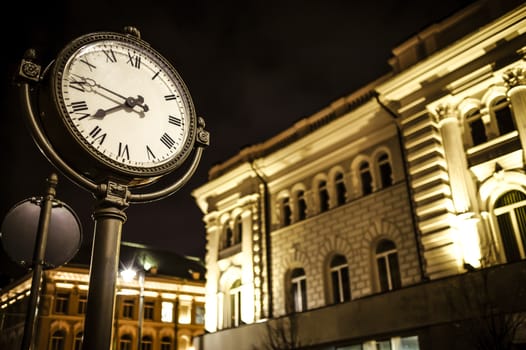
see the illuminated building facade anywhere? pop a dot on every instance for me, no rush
(172, 303)
(395, 217)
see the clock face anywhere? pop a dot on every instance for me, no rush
(125, 105)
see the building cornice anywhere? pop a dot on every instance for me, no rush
(457, 55)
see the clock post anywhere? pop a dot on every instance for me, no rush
(153, 131)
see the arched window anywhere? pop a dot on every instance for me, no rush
(166, 343)
(387, 263)
(340, 283)
(476, 127)
(323, 196)
(341, 190)
(77, 342)
(510, 212)
(285, 211)
(298, 290)
(183, 343)
(234, 309)
(57, 340)
(146, 343)
(302, 205)
(384, 167)
(226, 239)
(125, 342)
(238, 229)
(366, 178)
(503, 116)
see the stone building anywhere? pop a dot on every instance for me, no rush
(172, 301)
(393, 218)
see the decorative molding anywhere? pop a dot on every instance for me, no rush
(514, 77)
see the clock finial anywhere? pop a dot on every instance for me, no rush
(130, 30)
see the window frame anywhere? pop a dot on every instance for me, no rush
(339, 279)
(298, 290)
(57, 340)
(340, 188)
(385, 170)
(301, 205)
(519, 237)
(366, 177)
(323, 196)
(390, 278)
(61, 303)
(234, 308)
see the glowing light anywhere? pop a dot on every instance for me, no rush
(468, 239)
(167, 311)
(128, 275)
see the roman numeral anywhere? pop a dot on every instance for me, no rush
(174, 120)
(94, 133)
(110, 56)
(90, 66)
(149, 153)
(134, 60)
(170, 97)
(84, 116)
(156, 74)
(167, 140)
(78, 85)
(123, 151)
(79, 106)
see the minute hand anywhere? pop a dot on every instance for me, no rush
(128, 101)
(110, 91)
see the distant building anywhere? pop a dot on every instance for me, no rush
(394, 218)
(173, 303)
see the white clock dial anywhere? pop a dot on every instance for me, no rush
(125, 104)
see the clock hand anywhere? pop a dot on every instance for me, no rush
(101, 113)
(128, 101)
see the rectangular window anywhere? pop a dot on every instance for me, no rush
(395, 343)
(200, 314)
(167, 311)
(82, 305)
(185, 315)
(383, 344)
(350, 347)
(127, 308)
(61, 303)
(409, 343)
(149, 308)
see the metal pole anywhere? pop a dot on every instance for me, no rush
(38, 262)
(141, 307)
(98, 327)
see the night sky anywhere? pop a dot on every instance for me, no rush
(253, 69)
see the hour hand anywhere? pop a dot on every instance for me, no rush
(101, 113)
